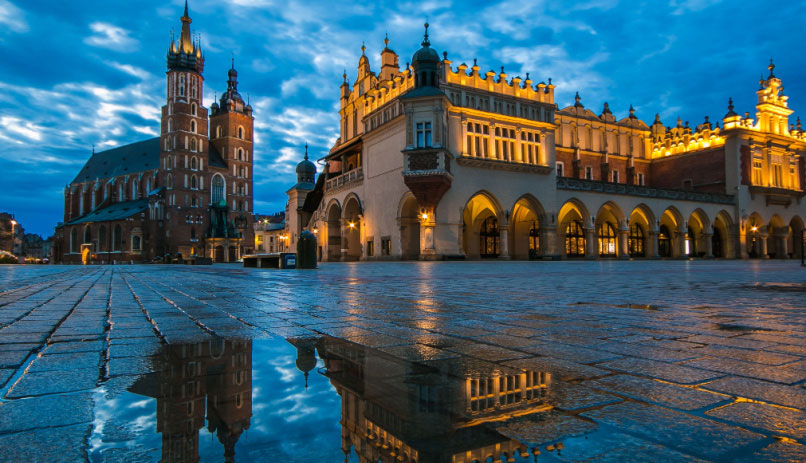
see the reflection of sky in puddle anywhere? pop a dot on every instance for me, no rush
(288, 422)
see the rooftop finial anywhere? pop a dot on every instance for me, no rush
(186, 9)
(797, 124)
(344, 75)
(233, 60)
(771, 67)
(730, 103)
(93, 145)
(577, 100)
(386, 41)
(632, 112)
(606, 109)
(475, 62)
(426, 42)
(306, 150)
(657, 118)
(363, 48)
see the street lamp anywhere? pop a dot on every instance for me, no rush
(13, 236)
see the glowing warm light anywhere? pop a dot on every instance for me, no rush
(755, 229)
(352, 224)
(13, 222)
(315, 231)
(424, 216)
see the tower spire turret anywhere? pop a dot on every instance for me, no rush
(187, 55)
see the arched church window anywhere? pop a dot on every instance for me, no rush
(193, 109)
(240, 154)
(134, 189)
(193, 163)
(193, 144)
(217, 190)
(102, 238)
(607, 239)
(181, 85)
(240, 133)
(193, 126)
(575, 239)
(636, 241)
(194, 182)
(169, 181)
(87, 235)
(74, 240)
(117, 236)
(219, 132)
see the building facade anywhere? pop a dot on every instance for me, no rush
(187, 192)
(270, 234)
(439, 162)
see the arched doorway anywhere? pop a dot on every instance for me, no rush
(333, 232)
(664, 241)
(637, 241)
(233, 254)
(607, 240)
(410, 229)
(795, 244)
(524, 225)
(489, 238)
(219, 253)
(574, 239)
(608, 219)
(753, 237)
(573, 216)
(721, 245)
(351, 241)
(696, 245)
(481, 236)
(674, 232)
(716, 244)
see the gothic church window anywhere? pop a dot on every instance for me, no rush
(181, 85)
(217, 189)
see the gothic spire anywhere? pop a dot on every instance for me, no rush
(185, 40)
(426, 42)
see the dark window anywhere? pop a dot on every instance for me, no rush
(636, 241)
(386, 246)
(370, 248)
(489, 238)
(664, 242)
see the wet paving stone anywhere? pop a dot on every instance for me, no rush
(46, 445)
(682, 374)
(660, 393)
(711, 440)
(457, 361)
(760, 390)
(60, 410)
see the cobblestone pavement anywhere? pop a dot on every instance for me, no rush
(648, 360)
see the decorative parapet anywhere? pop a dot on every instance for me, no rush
(497, 82)
(387, 90)
(777, 196)
(497, 164)
(347, 178)
(595, 186)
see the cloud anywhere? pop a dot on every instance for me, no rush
(112, 37)
(12, 17)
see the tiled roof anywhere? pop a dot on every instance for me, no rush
(115, 211)
(123, 160)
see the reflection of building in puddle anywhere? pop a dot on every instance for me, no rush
(212, 378)
(426, 411)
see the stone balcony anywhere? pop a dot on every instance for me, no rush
(777, 196)
(595, 186)
(354, 176)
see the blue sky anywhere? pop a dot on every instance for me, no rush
(77, 74)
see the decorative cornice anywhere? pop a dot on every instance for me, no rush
(495, 164)
(595, 186)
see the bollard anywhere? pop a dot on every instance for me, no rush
(306, 250)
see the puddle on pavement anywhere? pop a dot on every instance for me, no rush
(310, 399)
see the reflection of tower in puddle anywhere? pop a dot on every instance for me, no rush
(213, 376)
(428, 411)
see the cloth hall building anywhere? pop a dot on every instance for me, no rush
(437, 161)
(188, 191)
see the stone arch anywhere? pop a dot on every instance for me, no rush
(795, 241)
(575, 229)
(698, 227)
(755, 239)
(352, 214)
(610, 226)
(671, 233)
(408, 219)
(481, 216)
(722, 246)
(641, 241)
(525, 228)
(778, 232)
(333, 220)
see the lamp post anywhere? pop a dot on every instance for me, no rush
(13, 236)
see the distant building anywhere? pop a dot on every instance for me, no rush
(11, 234)
(187, 192)
(439, 162)
(270, 233)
